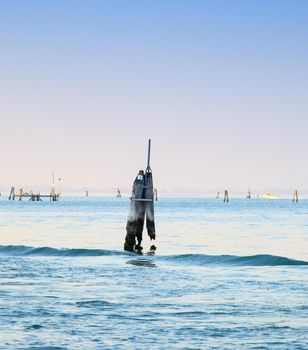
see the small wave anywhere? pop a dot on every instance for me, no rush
(34, 326)
(188, 259)
(20, 250)
(142, 262)
(251, 260)
(95, 303)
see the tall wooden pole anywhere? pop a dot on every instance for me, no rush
(149, 195)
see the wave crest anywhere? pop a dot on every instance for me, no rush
(21, 250)
(251, 260)
(188, 259)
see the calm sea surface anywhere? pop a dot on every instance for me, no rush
(225, 276)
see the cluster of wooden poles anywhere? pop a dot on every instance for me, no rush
(141, 209)
(53, 196)
(226, 196)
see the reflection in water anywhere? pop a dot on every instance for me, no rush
(141, 262)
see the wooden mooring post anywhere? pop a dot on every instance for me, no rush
(35, 197)
(149, 195)
(295, 196)
(141, 207)
(226, 196)
(20, 194)
(54, 197)
(12, 193)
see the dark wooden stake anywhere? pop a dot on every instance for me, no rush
(12, 193)
(226, 196)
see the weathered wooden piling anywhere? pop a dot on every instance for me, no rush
(20, 194)
(149, 195)
(35, 197)
(141, 206)
(249, 194)
(295, 196)
(135, 222)
(226, 196)
(12, 193)
(53, 197)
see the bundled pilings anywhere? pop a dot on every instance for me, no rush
(295, 196)
(226, 196)
(12, 193)
(141, 208)
(118, 193)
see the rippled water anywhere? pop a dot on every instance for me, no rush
(225, 276)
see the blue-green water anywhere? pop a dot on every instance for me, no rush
(225, 276)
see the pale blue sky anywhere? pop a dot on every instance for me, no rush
(220, 86)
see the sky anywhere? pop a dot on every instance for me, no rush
(219, 86)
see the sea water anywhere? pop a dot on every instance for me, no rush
(225, 275)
